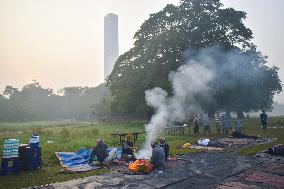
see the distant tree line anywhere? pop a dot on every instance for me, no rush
(33, 103)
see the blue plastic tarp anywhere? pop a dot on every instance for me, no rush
(79, 161)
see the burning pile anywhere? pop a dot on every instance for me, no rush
(141, 166)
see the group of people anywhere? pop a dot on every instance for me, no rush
(160, 152)
(223, 123)
(205, 122)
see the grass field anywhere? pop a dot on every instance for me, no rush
(71, 137)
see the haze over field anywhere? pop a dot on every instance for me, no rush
(60, 43)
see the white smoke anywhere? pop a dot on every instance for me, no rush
(193, 89)
(189, 80)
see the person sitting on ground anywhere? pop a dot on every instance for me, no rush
(165, 146)
(100, 151)
(276, 150)
(263, 119)
(158, 156)
(127, 149)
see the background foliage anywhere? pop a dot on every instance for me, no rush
(34, 103)
(161, 46)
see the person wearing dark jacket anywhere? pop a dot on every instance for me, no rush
(196, 125)
(100, 151)
(263, 119)
(158, 156)
(127, 149)
(276, 150)
(165, 146)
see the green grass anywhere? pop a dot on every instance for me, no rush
(253, 128)
(70, 137)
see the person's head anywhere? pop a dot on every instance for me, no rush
(100, 141)
(128, 137)
(270, 150)
(263, 111)
(154, 144)
(162, 140)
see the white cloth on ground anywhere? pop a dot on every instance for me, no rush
(203, 142)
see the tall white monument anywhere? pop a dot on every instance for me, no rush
(110, 42)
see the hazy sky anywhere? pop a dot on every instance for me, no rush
(60, 42)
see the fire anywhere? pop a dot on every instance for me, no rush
(141, 166)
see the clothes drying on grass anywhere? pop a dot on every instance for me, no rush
(206, 148)
(203, 142)
(79, 161)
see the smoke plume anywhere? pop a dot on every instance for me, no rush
(194, 83)
(190, 79)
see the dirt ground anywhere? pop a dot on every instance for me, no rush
(199, 170)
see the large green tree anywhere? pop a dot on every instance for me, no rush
(159, 48)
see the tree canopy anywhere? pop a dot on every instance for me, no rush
(160, 47)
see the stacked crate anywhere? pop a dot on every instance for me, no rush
(24, 156)
(34, 153)
(10, 154)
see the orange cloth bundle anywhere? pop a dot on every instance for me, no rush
(141, 166)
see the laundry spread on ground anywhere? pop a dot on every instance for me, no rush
(226, 144)
(231, 142)
(206, 148)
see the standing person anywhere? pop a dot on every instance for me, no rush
(263, 119)
(217, 122)
(100, 150)
(196, 125)
(165, 146)
(223, 121)
(227, 123)
(206, 125)
(239, 125)
(158, 156)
